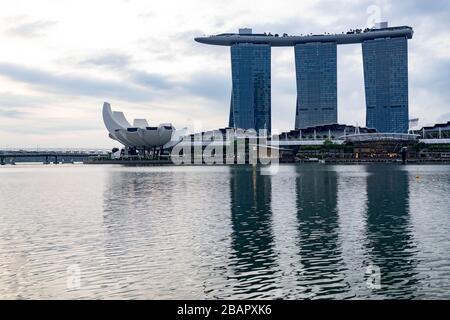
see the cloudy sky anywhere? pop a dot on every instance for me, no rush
(60, 59)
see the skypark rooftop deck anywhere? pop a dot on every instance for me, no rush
(350, 37)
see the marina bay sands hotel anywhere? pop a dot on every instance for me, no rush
(385, 61)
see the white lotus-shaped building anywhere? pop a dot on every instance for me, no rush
(140, 135)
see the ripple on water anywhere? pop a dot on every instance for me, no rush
(201, 232)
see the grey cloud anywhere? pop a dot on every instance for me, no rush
(8, 99)
(122, 62)
(111, 60)
(12, 113)
(414, 8)
(76, 126)
(206, 85)
(151, 80)
(344, 14)
(12, 105)
(75, 85)
(59, 126)
(214, 87)
(181, 44)
(31, 29)
(141, 87)
(434, 78)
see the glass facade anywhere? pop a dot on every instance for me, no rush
(386, 84)
(316, 69)
(251, 90)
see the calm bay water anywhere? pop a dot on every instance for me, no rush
(310, 231)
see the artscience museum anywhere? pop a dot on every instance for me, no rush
(140, 137)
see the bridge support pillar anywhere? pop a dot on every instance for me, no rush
(2, 161)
